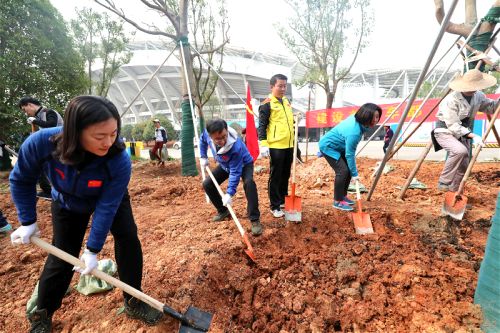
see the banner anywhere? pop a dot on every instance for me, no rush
(331, 117)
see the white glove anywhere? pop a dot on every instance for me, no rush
(226, 199)
(90, 260)
(23, 233)
(30, 119)
(477, 140)
(203, 162)
(264, 151)
(355, 179)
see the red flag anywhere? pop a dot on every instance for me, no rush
(251, 132)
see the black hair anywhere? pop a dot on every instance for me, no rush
(365, 113)
(82, 112)
(28, 99)
(216, 125)
(277, 77)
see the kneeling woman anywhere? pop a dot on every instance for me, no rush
(89, 170)
(339, 145)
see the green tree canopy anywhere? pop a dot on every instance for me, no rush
(37, 57)
(98, 37)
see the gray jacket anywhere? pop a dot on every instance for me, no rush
(455, 108)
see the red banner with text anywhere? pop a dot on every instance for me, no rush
(331, 117)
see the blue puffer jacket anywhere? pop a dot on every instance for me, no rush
(98, 187)
(343, 139)
(232, 157)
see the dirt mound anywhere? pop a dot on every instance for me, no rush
(417, 273)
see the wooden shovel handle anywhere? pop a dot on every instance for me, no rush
(477, 150)
(97, 273)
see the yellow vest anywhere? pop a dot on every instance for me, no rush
(280, 130)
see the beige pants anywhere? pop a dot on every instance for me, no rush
(458, 159)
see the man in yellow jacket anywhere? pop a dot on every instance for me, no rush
(276, 134)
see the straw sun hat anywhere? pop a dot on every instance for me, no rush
(473, 80)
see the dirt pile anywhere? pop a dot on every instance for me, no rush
(417, 273)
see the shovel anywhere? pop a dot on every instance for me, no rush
(293, 203)
(244, 235)
(455, 203)
(362, 222)
(193, 321)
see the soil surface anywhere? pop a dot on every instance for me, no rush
(417, 273)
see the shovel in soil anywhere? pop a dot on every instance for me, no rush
(193, 321)
(362, 222)
(293, 203)
(244, 235)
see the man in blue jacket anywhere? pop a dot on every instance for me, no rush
(234, 162)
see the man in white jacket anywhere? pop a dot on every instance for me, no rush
(454, 122)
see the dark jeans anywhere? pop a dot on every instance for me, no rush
(248, 185)
(342, 176)
(280, 163)
(386, 144)
(3, 220)
(68, 233)
(44, 183)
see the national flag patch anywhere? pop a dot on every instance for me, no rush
(60, 173)
(94, 183)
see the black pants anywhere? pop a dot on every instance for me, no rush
(248, 185)
(68, 233)
(44, 183)
(280, 164)
(342, 176)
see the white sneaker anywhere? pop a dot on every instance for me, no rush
(277, 213)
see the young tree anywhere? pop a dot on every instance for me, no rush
(481, 39)
(319, 34)
(100, 38)
(38, 58)
(179, 20)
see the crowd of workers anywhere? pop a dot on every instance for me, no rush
(83, 168)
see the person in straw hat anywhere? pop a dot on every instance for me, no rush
(455, 117)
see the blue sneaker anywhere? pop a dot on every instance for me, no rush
(342, 205)
(348, 201)
(6, 228)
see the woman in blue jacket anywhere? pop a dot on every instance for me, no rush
(339, 148)
(89, 170)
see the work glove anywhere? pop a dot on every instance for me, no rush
(355, 179)
(23, 233)
(226, 199)
(203, 162)
(30, 120)
(90, 260)
(264, 151)
(477, 140)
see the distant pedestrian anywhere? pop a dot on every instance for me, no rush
(388, 137)
(43, 118)
(339, 145)
(160, 140)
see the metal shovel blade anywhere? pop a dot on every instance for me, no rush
(362, 223)
(293, 207)
(454, 205)
(199, 321)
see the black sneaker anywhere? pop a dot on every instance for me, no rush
(44, 195)
(256, 228)
(135, 308)
(40, 322)
(220, 216)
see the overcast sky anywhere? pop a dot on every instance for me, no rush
(402, 35)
